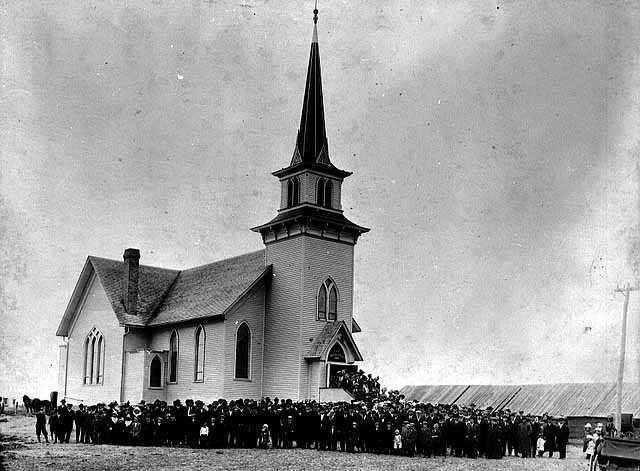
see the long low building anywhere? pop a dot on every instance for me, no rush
(579, 402)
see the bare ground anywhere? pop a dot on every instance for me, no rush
(19, 450)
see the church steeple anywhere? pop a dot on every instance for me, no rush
(311, 185)
(311, 143)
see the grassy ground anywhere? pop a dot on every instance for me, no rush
(19, 450)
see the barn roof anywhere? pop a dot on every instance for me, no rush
(169, 296)
(569, 399)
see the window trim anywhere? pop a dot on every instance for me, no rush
(174, 331)
(235, 355)
(196, 347)
(328, 284)
(94, 348)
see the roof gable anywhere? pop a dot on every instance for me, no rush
(169, 296)
(153, 285)
(330, 333)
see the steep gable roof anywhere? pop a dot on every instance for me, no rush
(209, 290)
(168, 296)
(153, 285)
(329, 334)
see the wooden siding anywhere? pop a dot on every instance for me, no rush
(282, 356)
(251, 312)
(132, 390)
(300, 266)
(95, 311)
(186, 387)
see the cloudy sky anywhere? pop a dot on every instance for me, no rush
(494, 147)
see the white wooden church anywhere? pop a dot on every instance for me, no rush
(276, 322)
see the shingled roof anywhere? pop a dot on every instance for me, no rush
(331, 332)
(211, 289)
(168, 296)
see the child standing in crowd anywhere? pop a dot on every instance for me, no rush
(397, 442)
(204, 435)
(540, 445)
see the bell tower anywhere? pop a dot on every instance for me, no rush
(310, 245)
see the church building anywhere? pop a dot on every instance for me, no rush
(277, 322)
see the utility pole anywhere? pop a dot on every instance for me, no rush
(623, 343)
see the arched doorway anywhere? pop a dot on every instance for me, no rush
(336, 365)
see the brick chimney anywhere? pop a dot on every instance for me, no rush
(130, 280)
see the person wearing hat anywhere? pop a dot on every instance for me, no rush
(79, 421)
(562, 438)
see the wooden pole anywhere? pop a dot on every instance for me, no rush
(623, 345)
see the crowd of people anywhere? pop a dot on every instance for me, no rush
(389, 425)
(363, 387)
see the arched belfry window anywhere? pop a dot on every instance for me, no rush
(155, 372)
(328, 301)
(173, 357)
(337, 354)
(293, 192)
(94, 358)
(320, 192)
(200, 339)
(243, 348)
(328, 190)
(324, 191)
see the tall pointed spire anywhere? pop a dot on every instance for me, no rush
(311, 144)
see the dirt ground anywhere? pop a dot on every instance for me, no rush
(19, 450)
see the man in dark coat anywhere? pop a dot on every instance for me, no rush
(524, 438)
(562, 438)
(41, 425)
(79, 421)
(549, 434)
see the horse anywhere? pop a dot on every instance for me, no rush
(27, 404)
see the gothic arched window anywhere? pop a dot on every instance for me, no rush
(293, 192)
(93, 358)
(320, 192)
(198, 374)
(155, 373)
(328, 189)
(328, 301)
(322, 303)
(173, 357)
(243, 347)
(337, 354)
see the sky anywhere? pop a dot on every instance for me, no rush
(494, 146)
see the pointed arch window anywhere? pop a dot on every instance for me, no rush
(327, 301)
(243, 347)
(328, 190)
(93, 358)
(293, 192)
(155, 373)
(200, 340)
(320, 192)
(324, 191)
(322, 303)
(173, 357)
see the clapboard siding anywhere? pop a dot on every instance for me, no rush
(282, 357)
(186, 387)
(324, 259)
(95, 311)
(250, 311)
